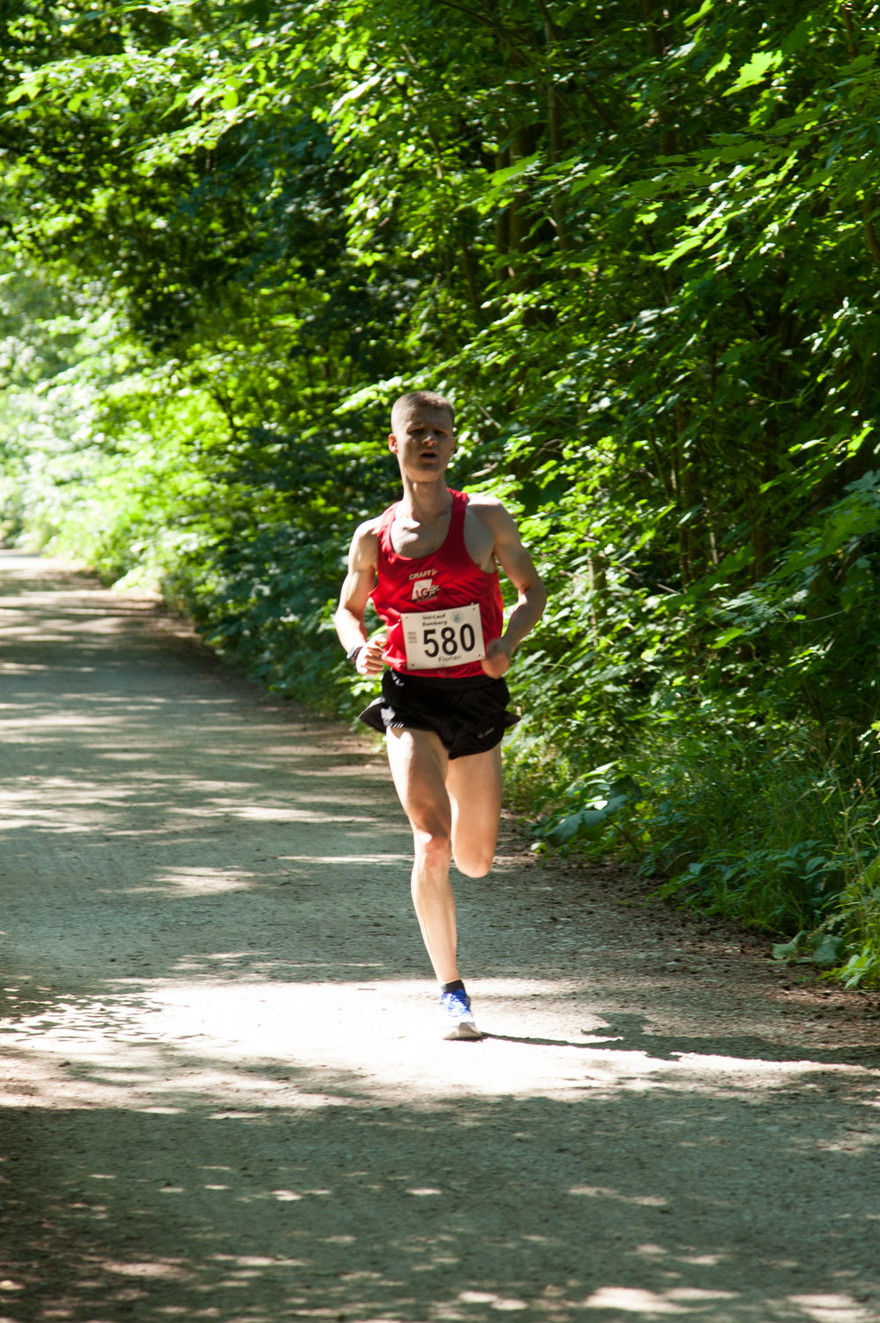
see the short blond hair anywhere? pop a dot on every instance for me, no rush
(428, 399)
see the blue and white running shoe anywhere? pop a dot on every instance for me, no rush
(456, 1007)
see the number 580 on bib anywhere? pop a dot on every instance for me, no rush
(443, 638)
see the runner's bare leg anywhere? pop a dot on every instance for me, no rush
(419, 765)
(474, 787)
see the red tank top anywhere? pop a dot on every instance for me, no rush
(447, 578)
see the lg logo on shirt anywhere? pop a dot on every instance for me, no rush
(424, 589)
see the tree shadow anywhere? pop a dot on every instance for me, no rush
(218, 1104)
(612, 1207)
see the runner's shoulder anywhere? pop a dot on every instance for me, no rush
(482, 503)
(490, 511)
(365, 543)
(369, 528)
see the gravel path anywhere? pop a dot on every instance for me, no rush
(224, 1092)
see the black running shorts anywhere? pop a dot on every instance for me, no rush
(470, 715)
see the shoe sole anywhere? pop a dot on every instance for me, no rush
(465, 1033)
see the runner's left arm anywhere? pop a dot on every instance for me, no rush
(519, 567)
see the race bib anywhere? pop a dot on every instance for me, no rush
(443, 638)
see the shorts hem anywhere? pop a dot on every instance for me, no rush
(453, 712)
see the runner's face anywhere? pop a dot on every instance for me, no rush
(422, 440)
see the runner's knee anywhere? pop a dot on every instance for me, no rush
(474, 862)
(432, 842)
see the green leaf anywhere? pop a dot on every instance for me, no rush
(787, 951)
(586, 823)
(828, 950)
(727, 636)
(755, 70)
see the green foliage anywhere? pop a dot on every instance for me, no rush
(852, 930)
(638, 245)
(594, 803)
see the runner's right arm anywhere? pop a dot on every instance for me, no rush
(358, 584)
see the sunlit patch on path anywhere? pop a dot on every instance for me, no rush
(188, 1042)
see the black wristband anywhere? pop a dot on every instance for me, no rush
(352, 654)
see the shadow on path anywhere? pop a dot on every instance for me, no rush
(224, 1095)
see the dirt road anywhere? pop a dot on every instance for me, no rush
(224, 1092)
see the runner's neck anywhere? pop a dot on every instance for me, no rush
(425, 502)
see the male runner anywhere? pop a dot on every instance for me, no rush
(429, 564)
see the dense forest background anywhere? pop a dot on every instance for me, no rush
(637, 243)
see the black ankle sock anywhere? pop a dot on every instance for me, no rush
(457, 986)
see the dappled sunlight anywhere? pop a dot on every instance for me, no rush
(225, 1094)
(595, 1191)
(210, 1040)
(203, 881)
(253, 813)
(374, 860)
(832, 1308)
(630, 1301)
(348, 1206)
